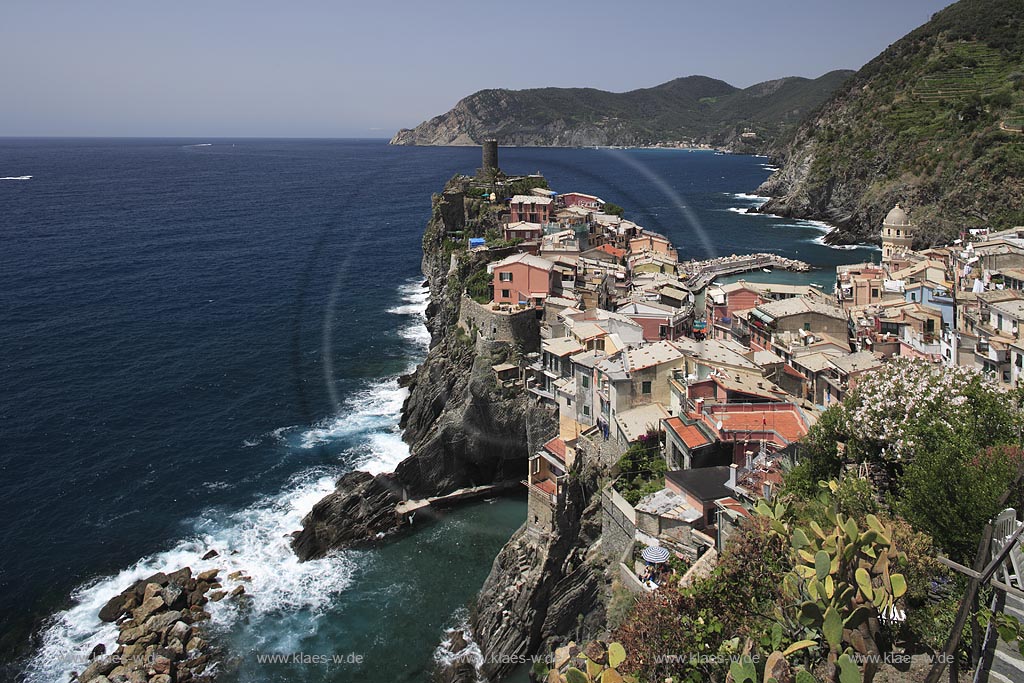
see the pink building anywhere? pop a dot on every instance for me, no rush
(524, 278)
(587, 201)
(523, 231)
(530, 209)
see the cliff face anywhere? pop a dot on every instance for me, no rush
(463, 429)
(543, 588)
(695, 108)
(929, 123)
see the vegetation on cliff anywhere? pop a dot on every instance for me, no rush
(694, 108)
(934, 122)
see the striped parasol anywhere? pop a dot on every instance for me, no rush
(655, 554)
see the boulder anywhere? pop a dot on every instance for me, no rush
(128, 636)
(181, 631)
(181, 577)
(115, 607)
(210, 554)
(98, 667)
(142, 612)
(159, 578)
(239, 590)
(196, 598)
(173, 596)
(207, 576)
(151, 589)
(162, 661)
(161, 678)
(217, 596)
(160, 622)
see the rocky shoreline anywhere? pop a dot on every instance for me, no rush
(462, 430)
(161, 633)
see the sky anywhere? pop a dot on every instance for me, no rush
(358, 68)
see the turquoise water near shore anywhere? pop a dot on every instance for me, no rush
(200, 336)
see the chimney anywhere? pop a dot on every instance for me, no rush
(732, 475)
(698, 406)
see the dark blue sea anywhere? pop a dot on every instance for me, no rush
(197, 337)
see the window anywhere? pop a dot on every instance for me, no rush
(807, 327)
(645, 387)
(586, 381)
(505, 276)
(506, 294)
(913, 296)
(874, 293)
(586, 410)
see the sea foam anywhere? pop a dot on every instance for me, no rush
(254, 540)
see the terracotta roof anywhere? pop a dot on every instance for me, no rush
(788, 424)
(691, 435)
(614, 251)
(556, 447)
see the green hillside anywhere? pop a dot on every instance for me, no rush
(933, 122)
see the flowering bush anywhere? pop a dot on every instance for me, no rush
(908, 405)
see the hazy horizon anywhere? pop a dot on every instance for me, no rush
(339, 70)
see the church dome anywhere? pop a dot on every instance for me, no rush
(896, 218)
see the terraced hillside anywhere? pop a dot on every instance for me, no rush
(933, 123)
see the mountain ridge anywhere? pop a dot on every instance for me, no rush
(690, 109)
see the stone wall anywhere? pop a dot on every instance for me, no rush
(618, 524)
(520, 327)
(604, 453)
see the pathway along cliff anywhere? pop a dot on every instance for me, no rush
(464, 430)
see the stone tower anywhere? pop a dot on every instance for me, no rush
(490, 156)
(897, 237)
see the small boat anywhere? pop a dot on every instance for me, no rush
(767, 270)
(815, 284)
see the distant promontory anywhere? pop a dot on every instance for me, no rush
(695, 110)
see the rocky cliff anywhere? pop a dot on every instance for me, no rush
(463, 429)
(545, 587)
(930, 123)
(692, 109)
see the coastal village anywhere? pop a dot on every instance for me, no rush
(711, 385)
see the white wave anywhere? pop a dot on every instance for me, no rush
(748, 197)
(386, 450)
(376, 408)
(415, 297)
(843, 247)
(254, 540)
(817, 225)
(416, 333)
(445, 658)
(17, 177)
(202, 144)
